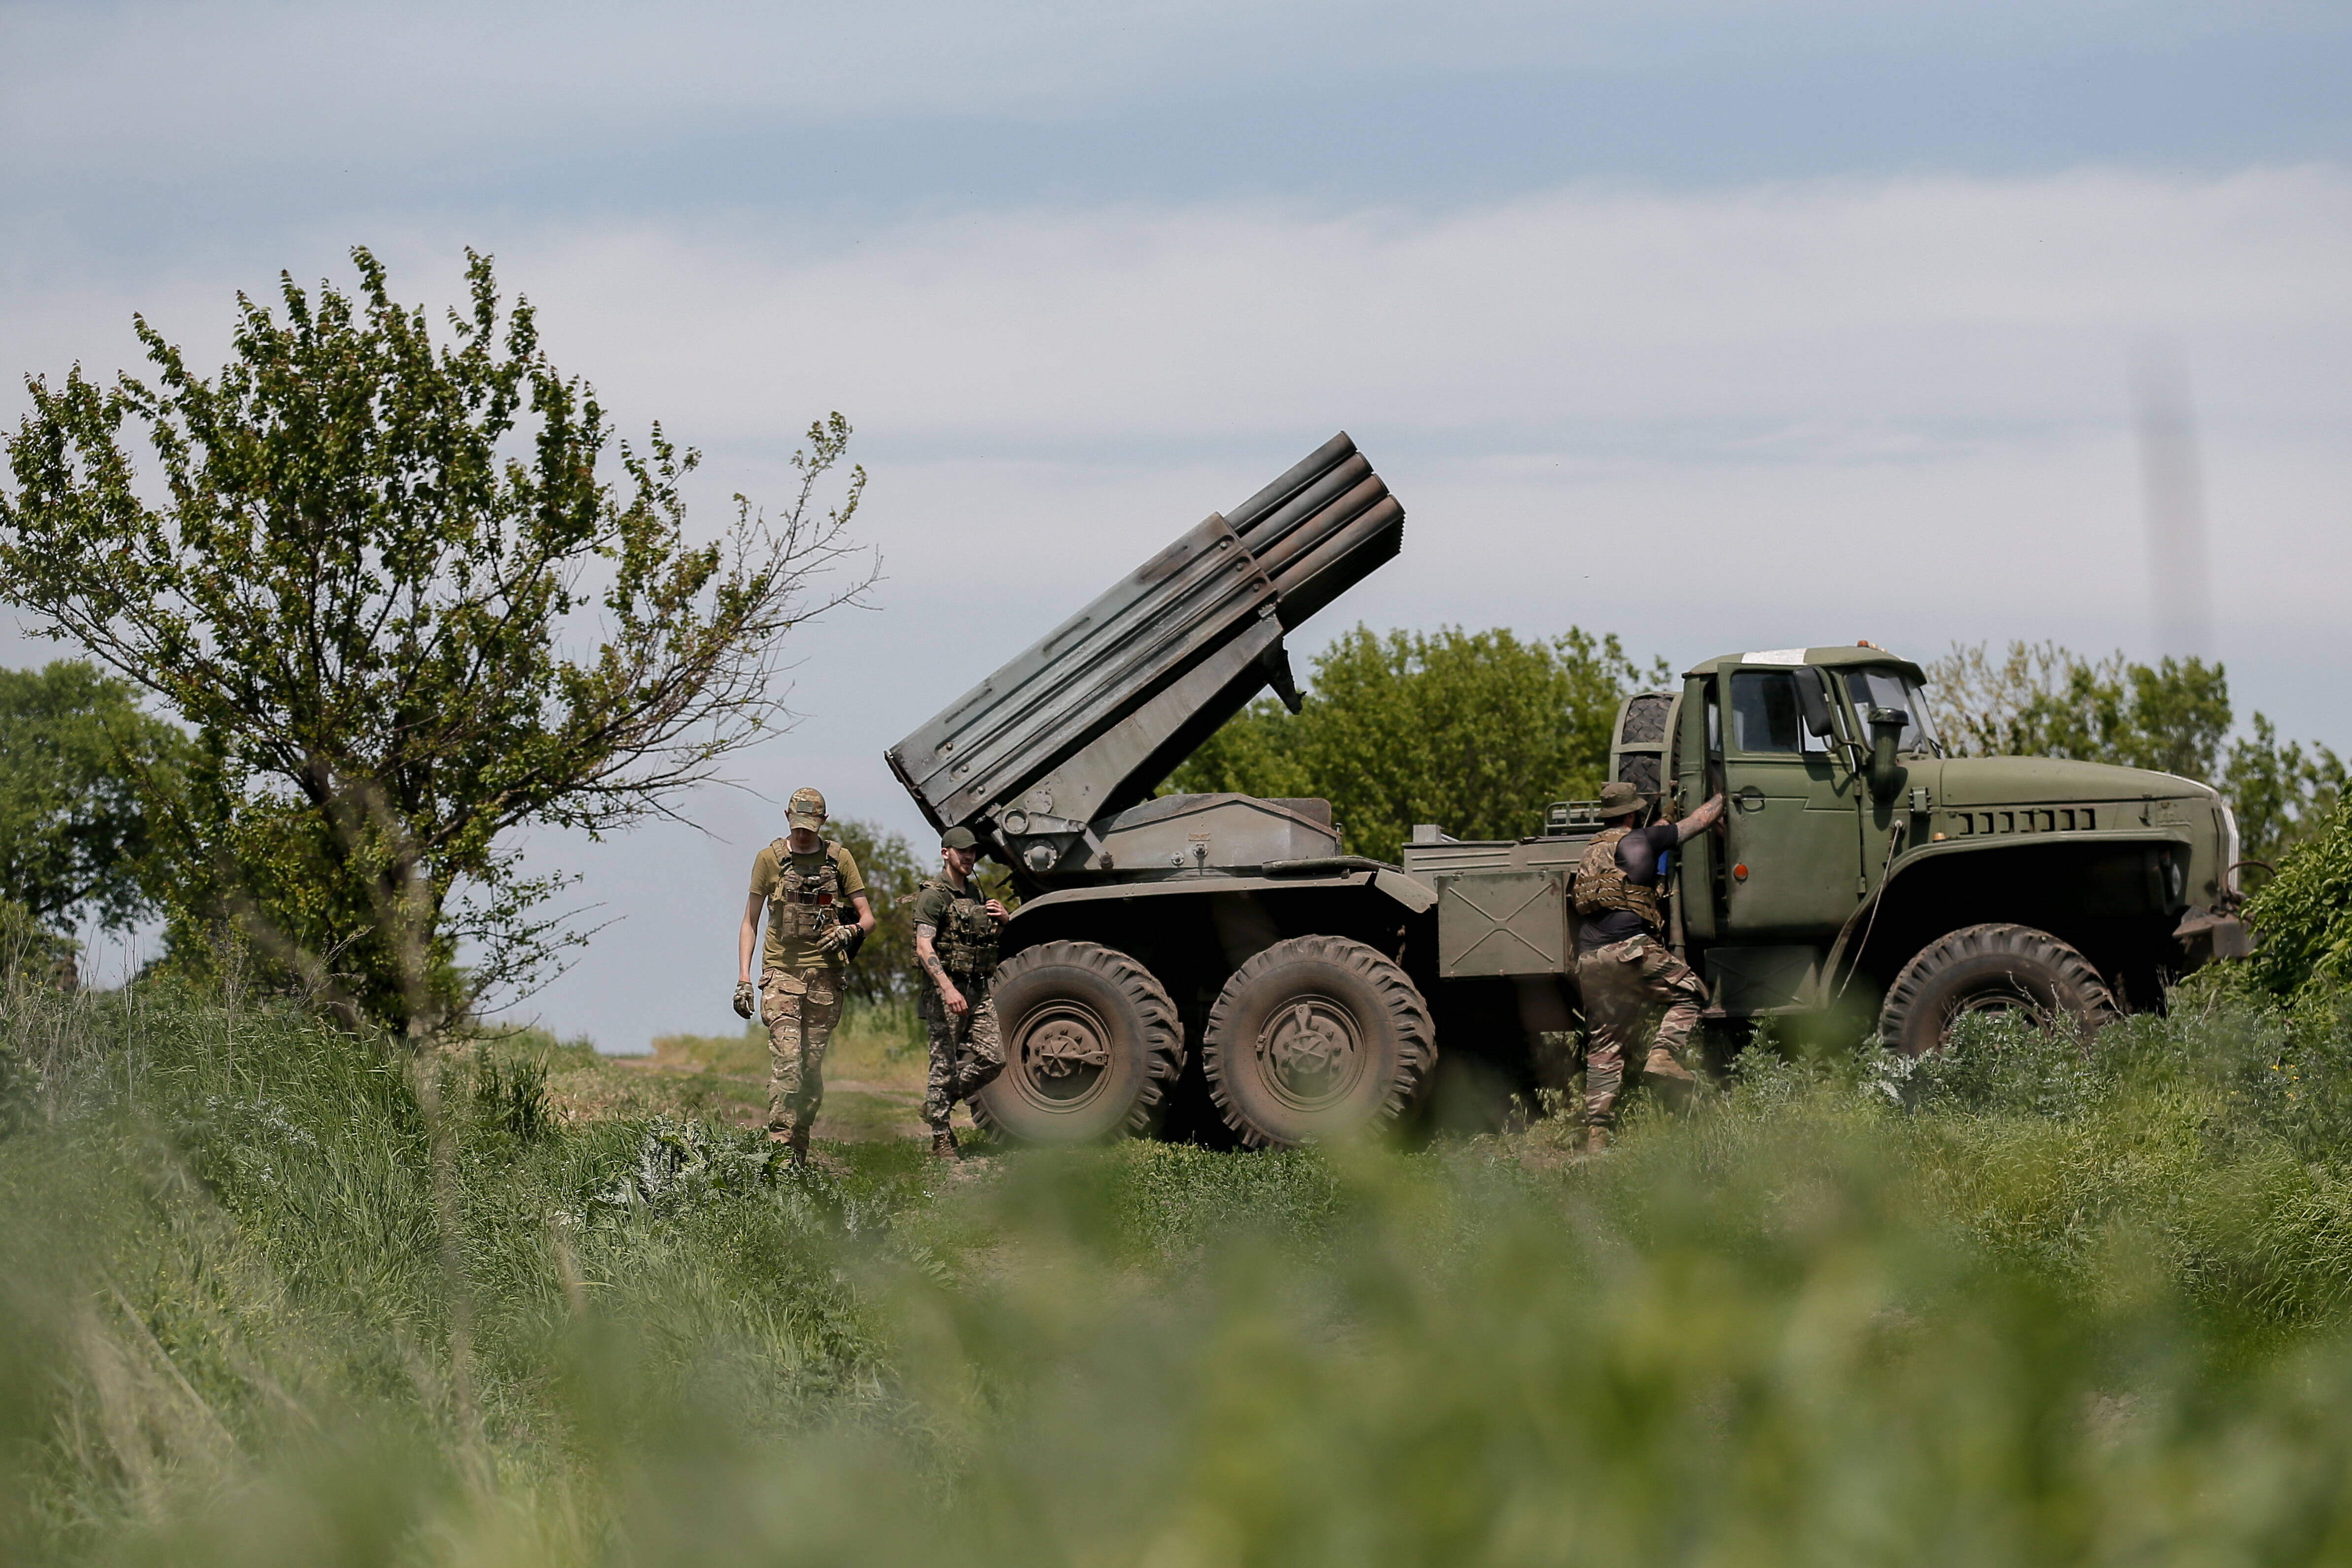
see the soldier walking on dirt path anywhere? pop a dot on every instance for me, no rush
(806, 882)
(955, 942)
(1622, 965)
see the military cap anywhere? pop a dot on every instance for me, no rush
(1619, 798)
(958, 838)
(805, 809)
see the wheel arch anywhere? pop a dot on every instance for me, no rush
(2103, 894)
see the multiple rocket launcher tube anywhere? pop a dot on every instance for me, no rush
(1088, 720)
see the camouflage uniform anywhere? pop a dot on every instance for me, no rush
(800, 984)
(966, 1052)
(1622, 981)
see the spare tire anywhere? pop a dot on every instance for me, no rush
(1316, 1038)
(1991, 968)
(1091, 1045)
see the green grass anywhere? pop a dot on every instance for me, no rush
(874, 1075)
(270, 1294)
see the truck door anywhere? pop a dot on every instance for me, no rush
(1792, 847)
(1698, 773)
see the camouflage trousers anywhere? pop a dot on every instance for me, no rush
(1622, 983)
(800, 1008)
(965, 1052)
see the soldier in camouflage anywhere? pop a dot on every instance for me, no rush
(955, 942)
(1623, 967)
(817, 914)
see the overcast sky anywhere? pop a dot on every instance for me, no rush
(1717, 325)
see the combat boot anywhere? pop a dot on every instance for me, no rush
(798, 1144)
(1672, 1082)
(943, 1144)
(1661, 1064)
(1596, 1138)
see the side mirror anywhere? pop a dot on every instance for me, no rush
(1816, 706)
(1887, 727)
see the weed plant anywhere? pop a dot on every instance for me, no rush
(273, 1293)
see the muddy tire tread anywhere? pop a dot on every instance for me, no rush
(1163, 1030)
(1994, 940)
(1397, 994)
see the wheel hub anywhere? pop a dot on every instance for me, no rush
(2011, 1000)
(1312, 1050)
(1063, 1055)
(1062, 1047)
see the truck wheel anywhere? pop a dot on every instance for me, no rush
(1990, 969)
(1317, 1037)
(1091, 1044)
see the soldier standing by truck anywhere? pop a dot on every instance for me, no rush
(806, 882)
(1623, 967)
(955, 942)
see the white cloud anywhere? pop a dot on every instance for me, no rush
(1889, 352)
(1840, 310)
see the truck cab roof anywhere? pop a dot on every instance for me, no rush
(1837, 657)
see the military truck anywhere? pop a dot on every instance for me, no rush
(1231, 943)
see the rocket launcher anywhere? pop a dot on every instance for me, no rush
(1038, 757)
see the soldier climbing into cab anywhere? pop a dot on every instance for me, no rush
(807, 884)
(1622, 964)
(955, 942)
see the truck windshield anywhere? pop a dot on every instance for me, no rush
(1884, 689)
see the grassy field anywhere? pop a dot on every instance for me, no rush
(874, 1077)
(273, 1294)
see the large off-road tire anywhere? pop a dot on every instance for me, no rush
(1092, 1044)
(1990, 969)
(1316, 1038)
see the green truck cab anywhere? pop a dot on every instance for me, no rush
(1857, 865)
(1853, 849)
(1183, 962)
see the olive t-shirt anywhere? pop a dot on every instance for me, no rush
(931, 906)
(768, 870)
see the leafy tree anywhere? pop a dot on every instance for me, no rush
(410, 602)
(74, 839)
(1476, 731)
(2042, 699)
(2282, 794)
(2304, 913)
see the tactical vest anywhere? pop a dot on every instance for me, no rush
(966, 940)
(804, 905)
(1602, 885)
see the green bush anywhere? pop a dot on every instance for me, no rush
(2305, 913)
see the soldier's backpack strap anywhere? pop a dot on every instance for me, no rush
(833, 852)
(782, 851)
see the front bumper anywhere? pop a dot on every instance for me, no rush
(2205, 936)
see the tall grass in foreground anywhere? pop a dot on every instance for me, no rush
(269, 1294)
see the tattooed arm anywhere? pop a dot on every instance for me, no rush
(928, 956)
